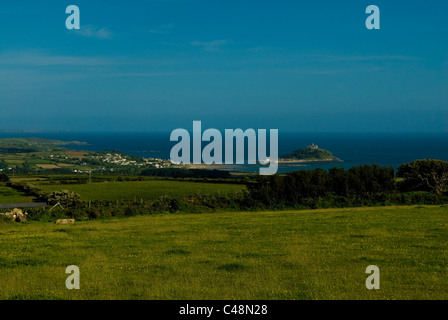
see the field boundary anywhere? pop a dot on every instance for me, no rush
(23, 205)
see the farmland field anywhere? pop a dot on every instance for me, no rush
(309, 254)
(10, 195)
(47, 166)
(148, 190)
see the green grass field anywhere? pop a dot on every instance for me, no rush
(10, 195)
(311, 254)
(148, 190)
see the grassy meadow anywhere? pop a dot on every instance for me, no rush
(309, 254)
(10, 195)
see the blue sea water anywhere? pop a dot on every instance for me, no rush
(384, 149)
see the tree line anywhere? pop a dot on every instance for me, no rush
(360, 185)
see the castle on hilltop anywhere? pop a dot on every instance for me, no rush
(313, 146)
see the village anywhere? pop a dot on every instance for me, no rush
(78, 162)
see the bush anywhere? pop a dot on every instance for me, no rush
(65, 198)
(26, 188)
(4, 219)
(418, 197)
(4, 177)
(43, 214)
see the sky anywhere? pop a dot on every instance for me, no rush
(297, 66)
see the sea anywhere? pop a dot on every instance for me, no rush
(384, 149)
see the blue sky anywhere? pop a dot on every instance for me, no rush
(288, 65)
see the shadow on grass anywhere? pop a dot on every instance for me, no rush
(178, 252)
(11, 263)
(232, 267)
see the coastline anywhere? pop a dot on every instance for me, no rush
(293, 161)
(280, 162)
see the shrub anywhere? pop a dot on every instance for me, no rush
(64, 197)
(4, 177)
(4, 219)
(418, 197)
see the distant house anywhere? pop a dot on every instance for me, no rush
(313, 146)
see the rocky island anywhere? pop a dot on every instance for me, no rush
(312, 153)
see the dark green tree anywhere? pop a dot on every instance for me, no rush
(4, 177)
(26, 167)
(3, 165)
(424, 175)
(339, 181)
